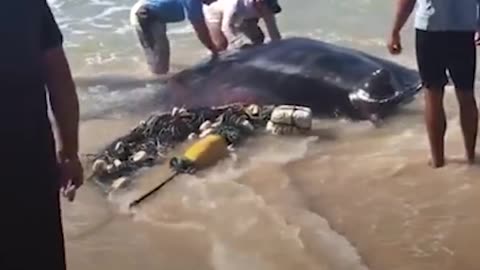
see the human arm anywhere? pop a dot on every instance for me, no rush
(403, 10)
(477, 34)
(269, 18)
(203, 35)
(196, 18)
(63, 100)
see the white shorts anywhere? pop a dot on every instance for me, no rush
(213, 12)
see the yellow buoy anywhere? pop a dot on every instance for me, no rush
(203, 153)
(207, 151)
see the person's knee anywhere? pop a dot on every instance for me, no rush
(142, 13)
(143, 27)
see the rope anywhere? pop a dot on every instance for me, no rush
(153, 191)
(181, 165)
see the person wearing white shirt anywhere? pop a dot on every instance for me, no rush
(232, 21)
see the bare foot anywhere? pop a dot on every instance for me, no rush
(471, 160)
(460, 160)
(437, 164)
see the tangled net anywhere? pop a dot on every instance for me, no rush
(152, 139)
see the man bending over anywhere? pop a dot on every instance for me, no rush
(231, 21)
(150, 19)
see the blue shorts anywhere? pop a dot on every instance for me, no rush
(166, 11)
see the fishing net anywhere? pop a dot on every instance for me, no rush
(150, 141)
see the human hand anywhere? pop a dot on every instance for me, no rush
(213, 56)
(71, 176)
(477, 38)
(395, 44)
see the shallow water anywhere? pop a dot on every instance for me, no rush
(349, 197)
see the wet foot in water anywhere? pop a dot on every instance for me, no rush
(457, 160)
(472, 160)
(437, 164)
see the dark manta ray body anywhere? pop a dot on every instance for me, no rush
(332, 80)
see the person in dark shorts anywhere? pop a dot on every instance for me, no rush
(34, 72)
(445, 42)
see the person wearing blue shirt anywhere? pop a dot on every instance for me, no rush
(150, 19)
(445, 41)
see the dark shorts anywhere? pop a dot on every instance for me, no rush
(439, 52)
(274, 6)
(31, 227)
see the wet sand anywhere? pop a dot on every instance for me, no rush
(350, 197)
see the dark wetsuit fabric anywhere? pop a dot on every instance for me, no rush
(31, 234)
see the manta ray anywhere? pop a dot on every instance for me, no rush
(332, 80)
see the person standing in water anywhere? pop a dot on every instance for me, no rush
(231, 21)
(35, 73)
(445, 41)
(150, 19)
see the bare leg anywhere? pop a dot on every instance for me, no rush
(159, 57)
(468, 121)
(152, 35)
(436, 125)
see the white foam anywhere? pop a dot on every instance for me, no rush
(295, 148)
(337, 251)
(56, 4)
(180, 30)
(125, 28)
(226, 258)
(100, 25)
(100, 99)
(102, 2)
(106, 13)
(79, 32)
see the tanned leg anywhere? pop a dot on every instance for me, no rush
(436, 125)
(468, 121)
